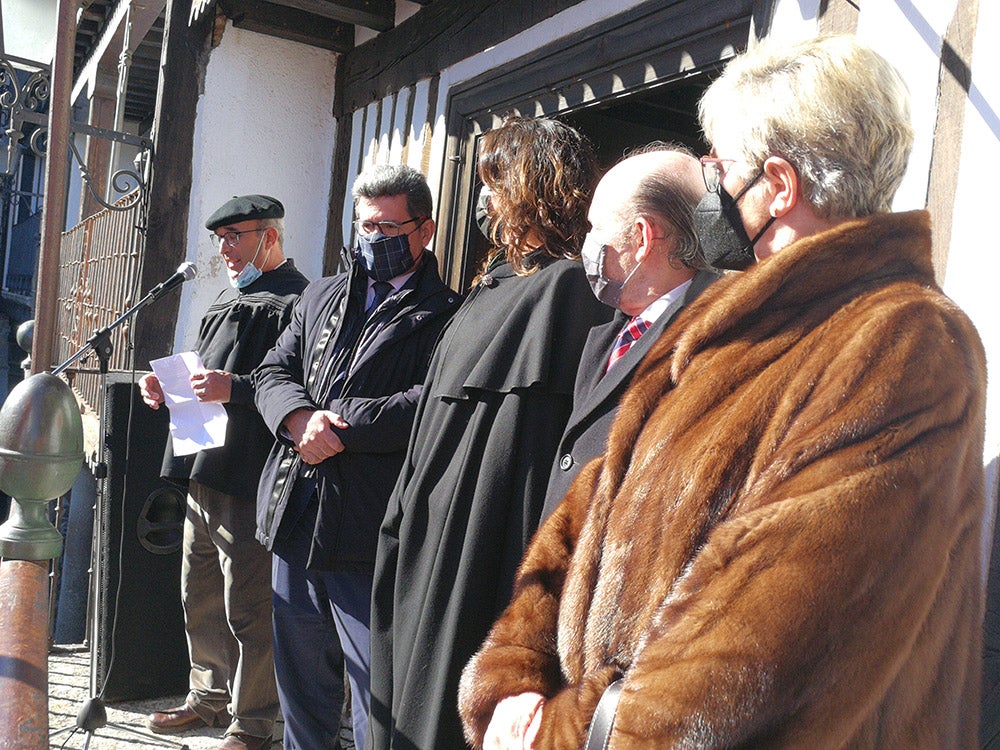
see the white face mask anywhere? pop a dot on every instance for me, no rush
(250, 273)
(607, 291)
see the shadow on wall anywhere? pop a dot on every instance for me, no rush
(989, 730)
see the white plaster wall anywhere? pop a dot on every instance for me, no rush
(914, 47)
(974, 255)
(29, 29)
(794, 20)
(264, 125)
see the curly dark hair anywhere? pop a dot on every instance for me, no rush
(542, 174)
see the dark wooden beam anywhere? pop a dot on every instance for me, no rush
(338, 187)
(838, 16)
(441, 34)
(289, 23)
(373, 14)
(183, 60)
(954, 84)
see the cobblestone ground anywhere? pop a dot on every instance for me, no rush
(69, 683)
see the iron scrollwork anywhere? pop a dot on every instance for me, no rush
(127, 181)
(24, 105)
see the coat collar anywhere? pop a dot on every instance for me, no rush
(853, 255)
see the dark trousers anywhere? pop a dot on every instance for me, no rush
(321, 620)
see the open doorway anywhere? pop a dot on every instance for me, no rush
(615, 126)
(633, 78)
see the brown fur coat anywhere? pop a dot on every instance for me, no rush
(781, 547)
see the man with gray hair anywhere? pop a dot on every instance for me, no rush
(339, 390)
(224, 572)
(642, 257)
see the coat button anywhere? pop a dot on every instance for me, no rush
(566, 462)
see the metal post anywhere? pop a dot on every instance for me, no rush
(124, 63)
(24, 613)
(56, 179)
(24, 708)
(41, 452)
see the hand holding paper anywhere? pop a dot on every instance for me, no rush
(194, 425)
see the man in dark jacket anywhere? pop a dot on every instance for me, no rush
(642, 258)
(339, 390)
(224, 574)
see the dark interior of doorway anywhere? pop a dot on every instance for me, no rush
(667, 113)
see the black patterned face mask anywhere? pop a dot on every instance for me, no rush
(720, 229)
(383, 257)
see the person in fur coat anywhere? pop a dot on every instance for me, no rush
(782, 544)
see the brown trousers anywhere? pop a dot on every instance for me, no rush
(226, 592)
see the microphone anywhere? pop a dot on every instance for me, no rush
(184, 272)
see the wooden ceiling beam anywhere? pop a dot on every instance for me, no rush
(289, 23)
(439, 35)
(373, 14)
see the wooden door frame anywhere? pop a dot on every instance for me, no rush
(651, 45)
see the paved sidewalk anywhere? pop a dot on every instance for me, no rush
(69, 682)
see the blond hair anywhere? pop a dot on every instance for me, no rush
(834, 108)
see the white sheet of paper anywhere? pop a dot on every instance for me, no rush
(194, 425)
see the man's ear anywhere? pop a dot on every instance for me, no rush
(645, 233)
(785, 183)
(426, 232)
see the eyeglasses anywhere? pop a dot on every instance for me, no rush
(712, 171)
(388, 228)
(232, 238)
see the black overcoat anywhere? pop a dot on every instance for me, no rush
(498, 394)
(235, 333)
(596, 395)
(378, 400)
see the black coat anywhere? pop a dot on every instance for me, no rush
(596, 395)
(378, 400)
(235, 333)
(498, 394)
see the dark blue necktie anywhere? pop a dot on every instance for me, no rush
(382, 289)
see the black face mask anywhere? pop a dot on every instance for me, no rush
(720, 229)
(484, 213)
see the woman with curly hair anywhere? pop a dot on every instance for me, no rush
(497, 396)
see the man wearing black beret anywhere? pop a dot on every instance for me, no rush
(226, 574)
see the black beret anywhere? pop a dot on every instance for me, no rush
(244, 208)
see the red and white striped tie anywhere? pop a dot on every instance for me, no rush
(626, 337)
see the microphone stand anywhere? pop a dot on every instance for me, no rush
(100, 342)
(93, 715)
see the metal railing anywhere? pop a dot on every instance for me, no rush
(100, 265)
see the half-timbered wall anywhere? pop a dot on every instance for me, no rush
(593, 51)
